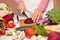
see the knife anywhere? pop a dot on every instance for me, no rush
(25, 14)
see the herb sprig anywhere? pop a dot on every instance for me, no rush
(40, 30)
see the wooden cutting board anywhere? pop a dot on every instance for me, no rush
(24, 24)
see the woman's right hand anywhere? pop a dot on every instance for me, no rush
(21, 7)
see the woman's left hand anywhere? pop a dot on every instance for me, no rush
(37, 15)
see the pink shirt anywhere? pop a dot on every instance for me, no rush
(42, 5)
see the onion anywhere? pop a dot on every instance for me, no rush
(45, 21)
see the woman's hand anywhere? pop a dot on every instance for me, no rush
(37, 15)
(21, 7)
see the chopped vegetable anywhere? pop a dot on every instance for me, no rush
(45, 21)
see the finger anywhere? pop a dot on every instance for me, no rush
(35, 16)
(22, 9)
(39, 17)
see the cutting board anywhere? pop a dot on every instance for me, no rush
(24, 24)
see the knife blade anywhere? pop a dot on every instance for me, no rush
(25, 14)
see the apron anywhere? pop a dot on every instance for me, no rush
(49, 7)
(31, 5)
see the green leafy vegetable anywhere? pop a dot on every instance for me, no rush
(54, 15)
(40, 30)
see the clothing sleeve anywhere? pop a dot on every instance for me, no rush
(17, 1)
(43, 5)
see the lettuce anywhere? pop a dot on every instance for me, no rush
(54, 15)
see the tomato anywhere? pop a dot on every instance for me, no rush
(29, 32)
(3, 32)
(10, 25)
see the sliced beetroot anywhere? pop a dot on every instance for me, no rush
(54, 36)
(28, 21)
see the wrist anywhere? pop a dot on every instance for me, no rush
(40, 10)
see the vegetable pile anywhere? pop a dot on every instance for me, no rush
(5, 18)
(35, 30)
(54, 15)
(53, 18)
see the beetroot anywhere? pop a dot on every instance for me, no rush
(58, 38)
(28, 21)
(54, 36)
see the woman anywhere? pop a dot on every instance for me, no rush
(37, 7)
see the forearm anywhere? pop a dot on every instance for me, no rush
(43, 5)
(17, 1)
